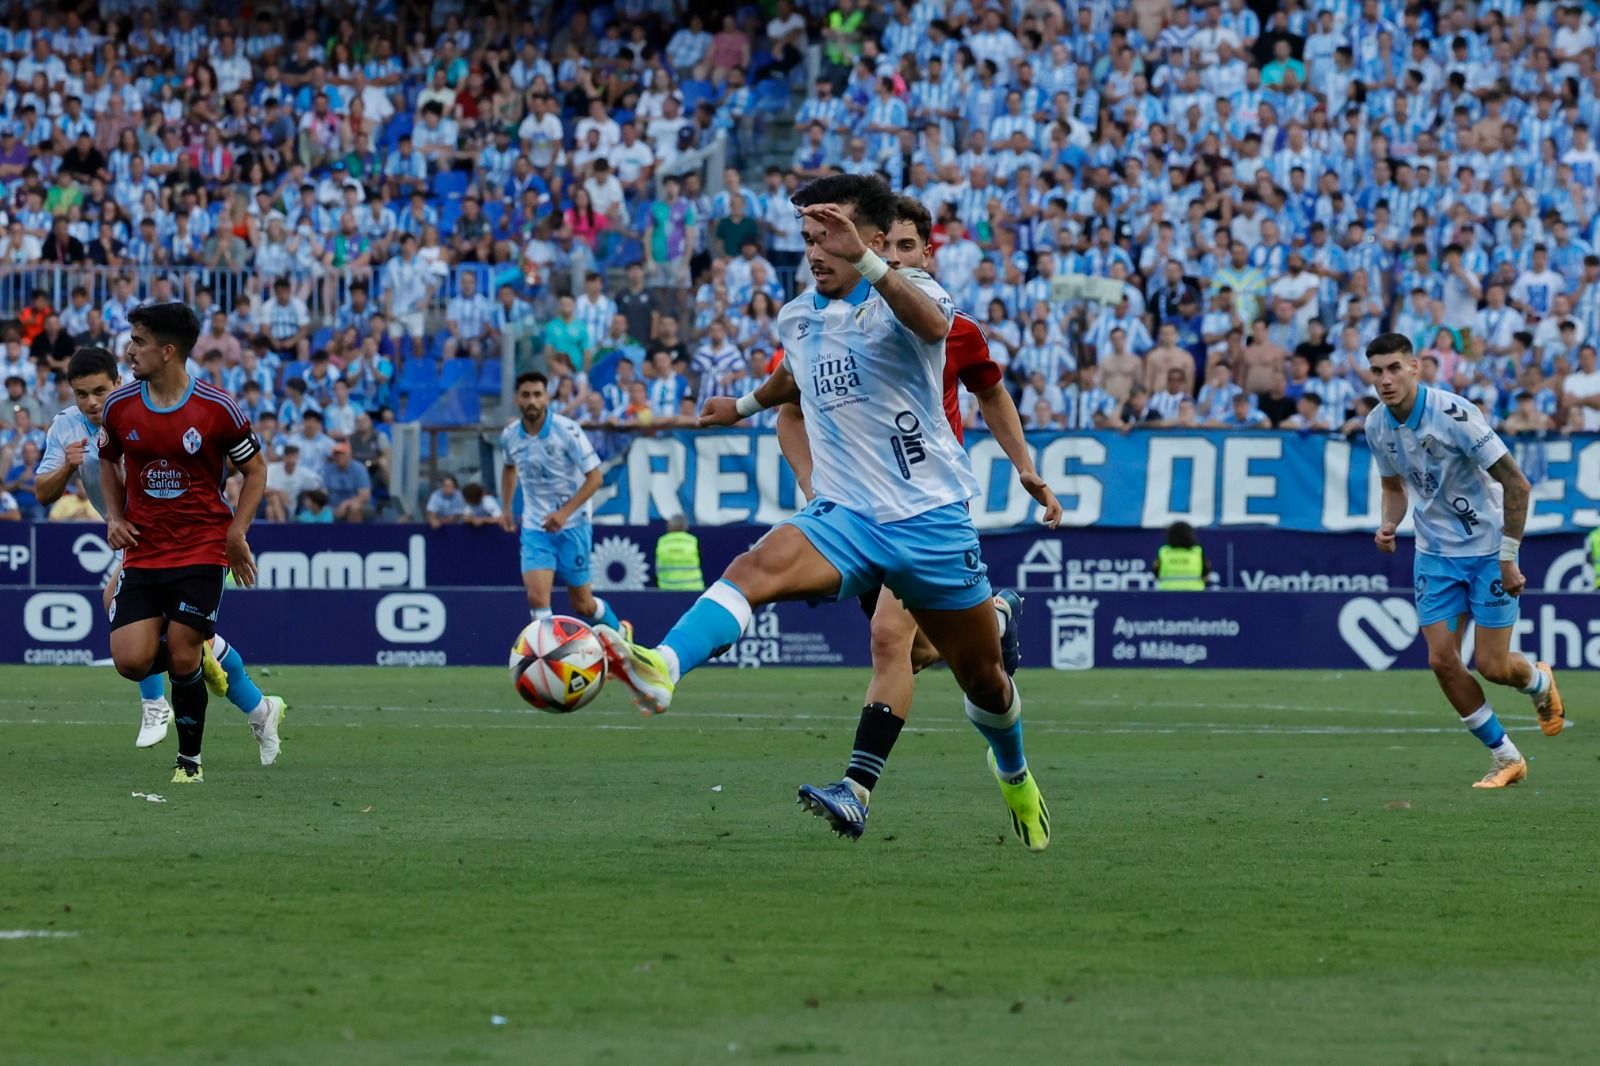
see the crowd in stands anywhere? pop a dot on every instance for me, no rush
(1164, 214)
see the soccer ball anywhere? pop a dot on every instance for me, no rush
(557, 664)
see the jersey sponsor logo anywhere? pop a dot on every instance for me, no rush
(1465, 515)
(163, 481)
(908, 444)
(1481, 441)
(185, 607)
(191, 440)
(836, 377)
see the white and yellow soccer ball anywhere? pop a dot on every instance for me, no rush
(557, 664)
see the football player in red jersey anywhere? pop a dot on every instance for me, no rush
(172, 439)
(899, 649)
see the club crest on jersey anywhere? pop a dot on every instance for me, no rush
(191, 440)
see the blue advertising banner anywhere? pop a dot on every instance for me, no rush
(1147, 479)
(1069, 560)
(1066, 632)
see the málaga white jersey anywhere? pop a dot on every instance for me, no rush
(872, 395)
(551, 466)
(70, 425)
(1443, 450)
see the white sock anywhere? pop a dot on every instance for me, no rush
(195, 759)
(219, 647)
(1507, 751)
(1537, 686)
(539, 614)
(671, 658)
(261, 713)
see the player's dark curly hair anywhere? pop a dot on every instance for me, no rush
(169, 323)
(909, 209)
(869, 194)
(87, 362)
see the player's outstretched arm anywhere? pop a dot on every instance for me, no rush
(915, 309)
(240, 559)
(780, 388)
(1517, 490)
(1000, 413)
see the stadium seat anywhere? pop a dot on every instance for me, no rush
(407, 348)
(320, 339)
(489, 378)
(458, 407)
(293, 369)
(449, 211)
(418, 375)
(457, 372)
(772, 96)
(450, 184)
(399, 126)
(495, 212)
(413, 405)
(434, 347)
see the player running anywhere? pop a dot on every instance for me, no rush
(867, 349)
(1434, 449)
(70, 449)
(899, 648)
(559, 472)
(167, 441)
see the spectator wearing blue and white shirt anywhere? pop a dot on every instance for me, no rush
(408, 285)
(468, 316)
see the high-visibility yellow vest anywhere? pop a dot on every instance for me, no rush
(1182, 569)
(678, 561)
(1594, 555)
(841, 23)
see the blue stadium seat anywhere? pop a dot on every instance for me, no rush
(450, 184)
(321, 337)
(434, 347)
(457, 372)
(407, 350)
(495, 212)
(413, 405)
(399, 126)
(295, 368)
(449, 211)
(458, 407)
(772, 96)
(418, 375)
(489, 378)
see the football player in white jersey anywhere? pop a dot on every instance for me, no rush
(1436, 454)
(70, 448)
(866, 352)
(558, 470)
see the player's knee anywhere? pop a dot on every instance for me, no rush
(133, 670)
(889, 644)
(988, 686)
(1444, 661)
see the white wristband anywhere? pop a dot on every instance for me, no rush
(872, 267)
(1508, 548)
(747, 405)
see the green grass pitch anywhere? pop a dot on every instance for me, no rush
(1265, 868)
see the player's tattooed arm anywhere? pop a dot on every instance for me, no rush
(1516, 489)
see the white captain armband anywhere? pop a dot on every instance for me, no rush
(245, 450)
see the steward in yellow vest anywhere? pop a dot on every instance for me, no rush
(1181, 563)
(678, 558)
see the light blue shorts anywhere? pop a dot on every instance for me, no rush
(1450, 586)
(566, 552)
(931, 561)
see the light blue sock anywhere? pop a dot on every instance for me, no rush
(604, 615)
(242, 692)
(1537, 686)
(1485, 725)
(1003, 732)
(715, 621)
(153, 687)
